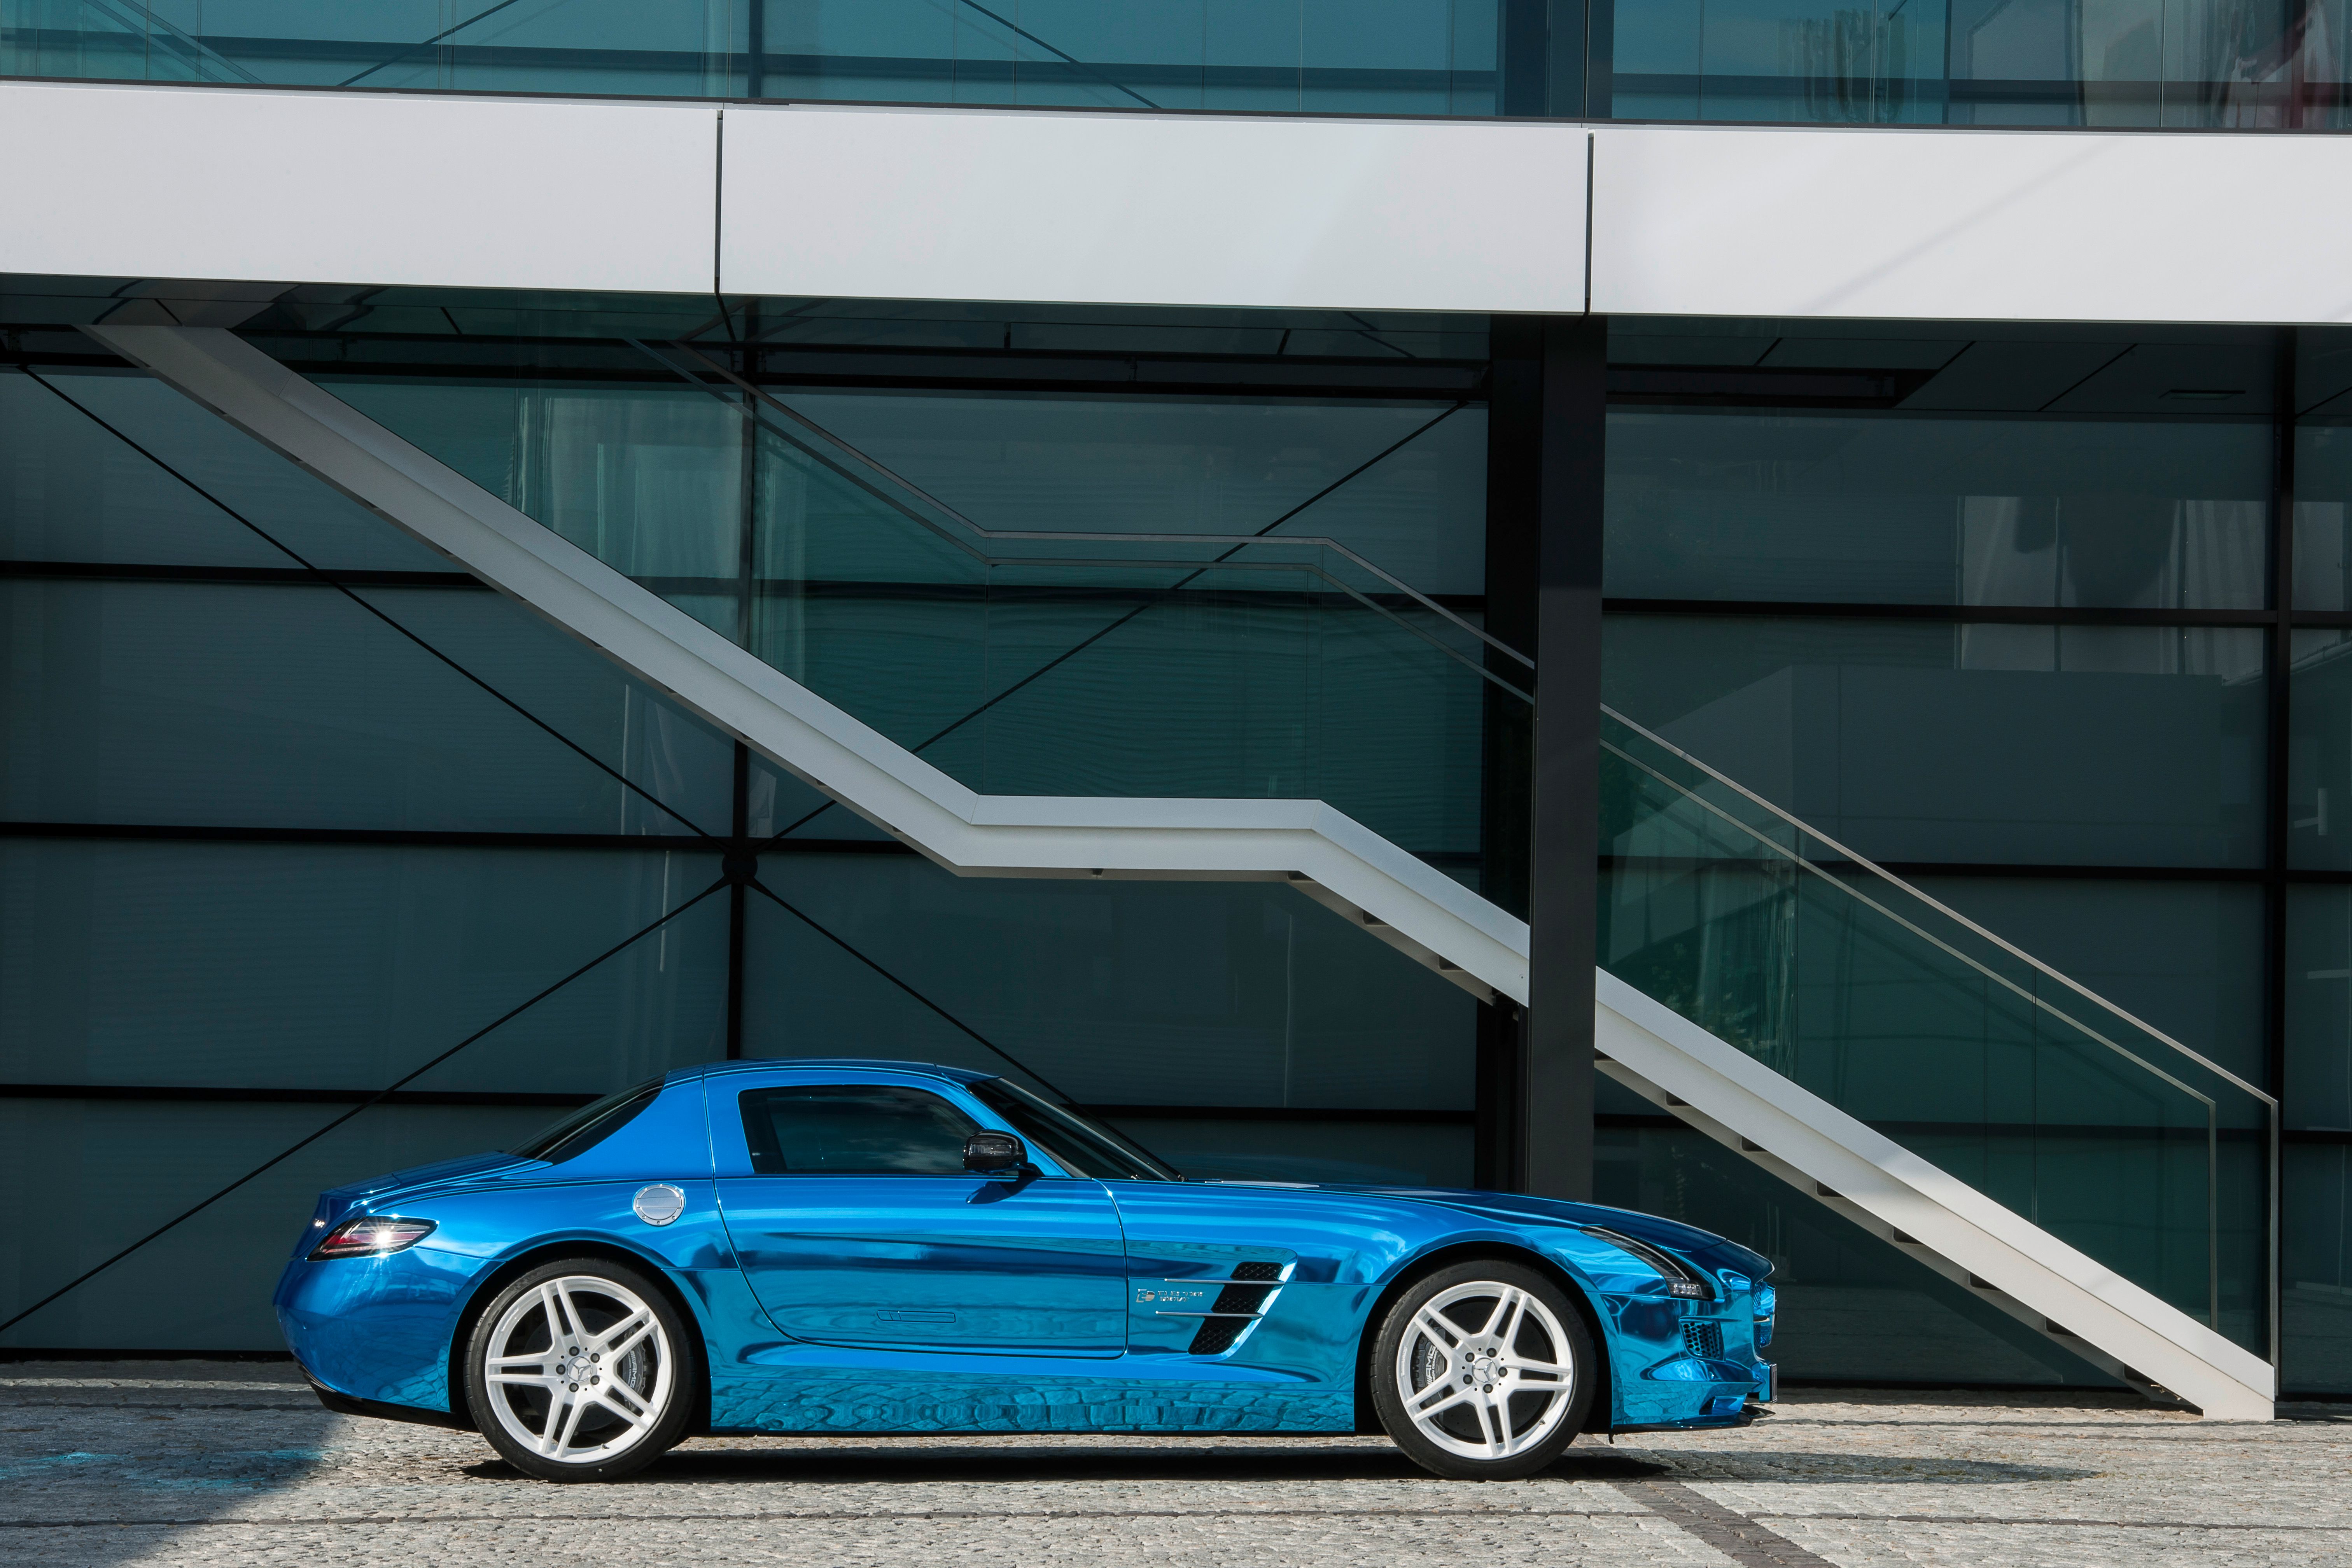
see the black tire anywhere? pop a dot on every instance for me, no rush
(551, 1331)
(1485, 1414)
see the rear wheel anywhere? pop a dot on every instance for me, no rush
(578, 1372)
(1484, 1371)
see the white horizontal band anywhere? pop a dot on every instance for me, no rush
(259, 186)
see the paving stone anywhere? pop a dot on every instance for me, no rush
(201, 1464)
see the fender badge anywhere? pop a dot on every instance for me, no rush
(659, 1203)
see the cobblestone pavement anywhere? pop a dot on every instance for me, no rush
(234, 1463)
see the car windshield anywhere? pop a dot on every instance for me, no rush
(1081, 1147)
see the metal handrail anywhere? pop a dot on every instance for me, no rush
(1939, 907)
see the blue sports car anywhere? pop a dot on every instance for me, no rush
(885, 1246)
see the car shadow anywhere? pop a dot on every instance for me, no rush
(933, 1461)
(1783, 1465)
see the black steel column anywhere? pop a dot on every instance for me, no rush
(1544, 51)
(738, 867)
(2279, 801)
(1563, 884)
(1514, 488)
(1547, 412)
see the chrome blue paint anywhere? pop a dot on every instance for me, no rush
(1052, 1302)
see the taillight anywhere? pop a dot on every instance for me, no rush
(371, 1236)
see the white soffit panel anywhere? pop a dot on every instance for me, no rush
(1149, 209)
(319, 187)
(1971, 225)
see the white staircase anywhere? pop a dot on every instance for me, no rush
(1673, 1062)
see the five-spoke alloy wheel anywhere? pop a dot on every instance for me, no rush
(1483, 1370)
(578, 1372)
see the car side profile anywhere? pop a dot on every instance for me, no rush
(839, 1246)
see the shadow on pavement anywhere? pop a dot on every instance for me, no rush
(1872, 1469)
(934, 1461)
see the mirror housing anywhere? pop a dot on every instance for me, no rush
(996, 1155)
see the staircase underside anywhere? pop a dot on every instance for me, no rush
(1331, 857)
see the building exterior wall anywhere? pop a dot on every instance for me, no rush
(1957, 499)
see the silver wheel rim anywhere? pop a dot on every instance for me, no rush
(579, 1370)
(1481, 1370)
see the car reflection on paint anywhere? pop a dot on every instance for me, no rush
(883, 1246)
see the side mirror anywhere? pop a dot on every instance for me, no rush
(994, 1153)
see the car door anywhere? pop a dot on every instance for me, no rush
(856, 1223)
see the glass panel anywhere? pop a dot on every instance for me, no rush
(1913, 509)
(1853, 1308)
(1222, 659)
(286, 705)
(2115, 1139)
(863, 1129)
(111, 1172)
(2322, 468)
(2319, 1008)
(72, 491)
(2182, 63)
(2003, 744)
(2319, 751)
(298, 511)
(1386, 57)
(345, 968)
(2315, 1302)
(2186, 956)
(1121, 993)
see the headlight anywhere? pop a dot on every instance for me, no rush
(1681, 1278)
(371, 1236)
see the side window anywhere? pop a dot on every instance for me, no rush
(852, 1129)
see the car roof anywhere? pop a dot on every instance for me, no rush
(855, 1064)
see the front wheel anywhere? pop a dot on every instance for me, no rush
(578, 1372)
(1482, 1372)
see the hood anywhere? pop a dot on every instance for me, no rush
(1706, 1250)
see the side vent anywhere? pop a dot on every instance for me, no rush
(1237, 1307)
(1702, 1339)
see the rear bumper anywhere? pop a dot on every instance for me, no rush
(346, 1404)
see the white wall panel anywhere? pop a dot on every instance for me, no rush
(242, 185)
(212, 182)
(1152, 209)
(1982, 224)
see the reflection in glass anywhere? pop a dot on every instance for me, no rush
(2316, 1299)
(1924, 741)
(1900, 509)
(2272, 65)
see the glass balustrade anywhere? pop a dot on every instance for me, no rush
(1131, 661)
(2115, 1138)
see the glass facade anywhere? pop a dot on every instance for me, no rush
(2187, 64)
(2047, 621)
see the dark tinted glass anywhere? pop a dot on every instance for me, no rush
(853, 1130)
(1080, 1147)
(590, 1125)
